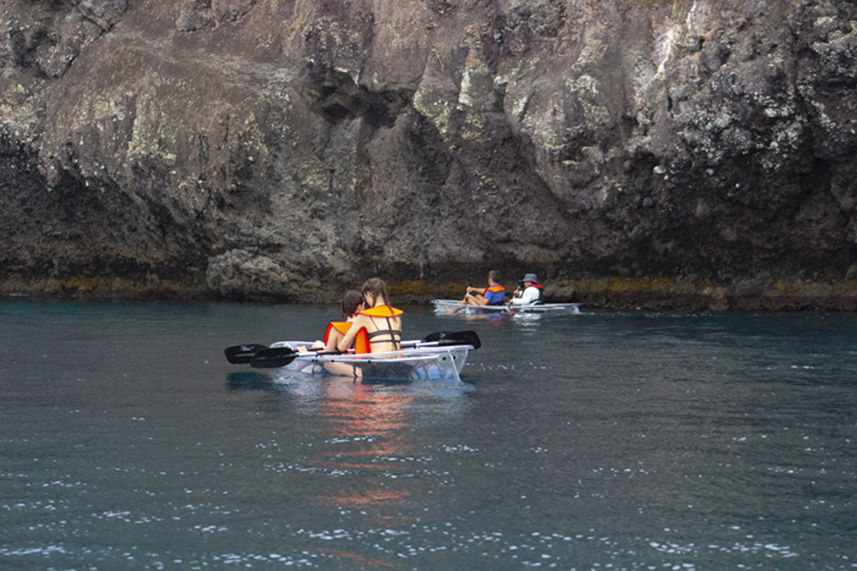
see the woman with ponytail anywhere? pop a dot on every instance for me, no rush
(378, 328)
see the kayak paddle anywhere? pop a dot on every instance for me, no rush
(446, 338)
(242, 353)
(275, 357)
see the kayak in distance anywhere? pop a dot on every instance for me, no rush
(439, 356)
(454, 306)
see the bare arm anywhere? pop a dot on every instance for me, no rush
(474, 296)
(347, 340)
(333, 340)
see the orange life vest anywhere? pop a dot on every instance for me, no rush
(361, 342)
(341, 326)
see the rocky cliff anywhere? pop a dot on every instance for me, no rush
(284, 149)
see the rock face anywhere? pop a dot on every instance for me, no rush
(286, 148)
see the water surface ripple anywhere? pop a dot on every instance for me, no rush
(600, 440)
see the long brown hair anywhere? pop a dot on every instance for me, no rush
(377, 288)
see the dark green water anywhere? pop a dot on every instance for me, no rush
(595, 441)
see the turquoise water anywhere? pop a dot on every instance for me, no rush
(601, 440)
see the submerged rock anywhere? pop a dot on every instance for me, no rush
(284, 150)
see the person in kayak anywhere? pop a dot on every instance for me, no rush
(378, 328)
(494, 294)
(352, 303)
(531, 293)
(350, 306)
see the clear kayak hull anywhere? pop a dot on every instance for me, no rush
(425, 362)
(453, 306)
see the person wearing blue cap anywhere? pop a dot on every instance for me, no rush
(532, 292)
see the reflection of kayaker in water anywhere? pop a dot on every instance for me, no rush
(378, 328)
(531, 293)
(370, 425)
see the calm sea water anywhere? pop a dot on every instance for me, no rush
(609, 441)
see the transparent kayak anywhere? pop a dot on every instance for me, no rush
(453, 306)
(422, 362)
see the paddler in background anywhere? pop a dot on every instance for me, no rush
(530, 294)
(378, 328)
(494, 294)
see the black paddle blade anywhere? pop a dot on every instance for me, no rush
(273, 358)
(238, 354)
(454, 338)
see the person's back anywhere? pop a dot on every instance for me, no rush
(381, 322)
(383, 325)
(495, 294)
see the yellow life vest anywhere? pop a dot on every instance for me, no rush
(363, 344)
(382, 311)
